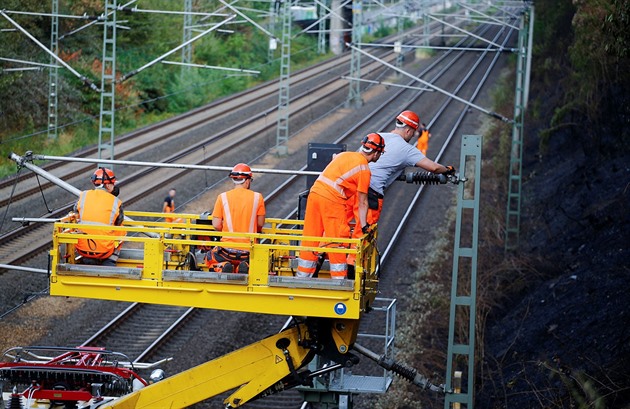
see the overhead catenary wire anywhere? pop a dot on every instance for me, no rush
(428, 84)
(39, 64)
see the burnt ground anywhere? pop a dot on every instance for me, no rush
(564, 341)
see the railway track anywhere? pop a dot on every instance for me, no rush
(12, 248)
(122, 333)
(145, 332)
(258, 103)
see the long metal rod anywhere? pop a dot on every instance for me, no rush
(32, 13)
(29, 62)
(480, 49)
(464, 31)
(214, 67)
(91, 23)
(179, 47)
(191, 13)
(83, 78)
(166, 165)
(20, 268)
(240, 13)
(388, 84)
(428, 84)
(21, 69)
(24, 162)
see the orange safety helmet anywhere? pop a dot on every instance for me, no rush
(409, 118)
(241, 171)
(102, 176)
(373, 141)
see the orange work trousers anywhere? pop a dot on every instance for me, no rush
(324, 218)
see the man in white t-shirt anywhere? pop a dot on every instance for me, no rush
(398, 155)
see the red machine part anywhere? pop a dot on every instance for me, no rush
(77, 374)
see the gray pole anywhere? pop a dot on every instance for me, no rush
(32, 156)
(187, 50)
(513, 212)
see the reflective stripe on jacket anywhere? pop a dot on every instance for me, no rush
(347, 174)
(239, 209)
(97, 207)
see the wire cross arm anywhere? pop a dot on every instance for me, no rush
(82, 77)
(174, 50)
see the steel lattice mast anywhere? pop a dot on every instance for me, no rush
(106, 128)
(53, 74)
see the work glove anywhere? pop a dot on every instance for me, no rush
(366, 228)
(449, 170)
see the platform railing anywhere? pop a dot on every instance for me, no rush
(171, 258)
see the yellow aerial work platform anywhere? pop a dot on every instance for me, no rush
(161, 263)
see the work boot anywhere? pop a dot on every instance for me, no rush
(224, 267)
(243, 267)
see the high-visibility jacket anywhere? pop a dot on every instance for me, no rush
(347, 174)
(98, 207)
(326, 215)
(239, 209)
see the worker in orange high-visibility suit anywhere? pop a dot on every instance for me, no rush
(423, 139)
(238, 210)
(345, 176)
(169, 205)
(100, 206)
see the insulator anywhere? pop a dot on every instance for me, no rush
(115, 388)
(424, 178)
(15, 402)
(404, 371)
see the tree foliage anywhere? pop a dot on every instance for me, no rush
(155, 93)
(582, 51)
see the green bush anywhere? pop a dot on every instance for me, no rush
(157, 92)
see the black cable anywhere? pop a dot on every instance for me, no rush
(6, 212)
(42, 192)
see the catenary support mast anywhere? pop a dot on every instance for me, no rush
(53, 73)
(106, 128)
(282, 132)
